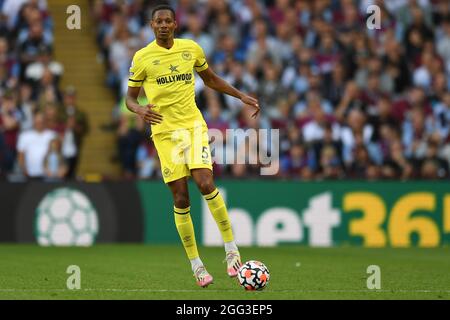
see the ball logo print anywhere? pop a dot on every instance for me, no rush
(253, 275)
(66, 217)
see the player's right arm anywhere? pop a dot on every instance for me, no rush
(146, 112)
(137, 78)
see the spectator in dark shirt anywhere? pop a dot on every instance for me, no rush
(34, 43)
(9, 130)
(77, 124)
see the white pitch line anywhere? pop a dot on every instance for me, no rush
(223, 290)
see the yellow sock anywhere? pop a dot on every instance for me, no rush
(185, 229)
(219, 212)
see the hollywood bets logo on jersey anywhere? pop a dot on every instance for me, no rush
(187, 77)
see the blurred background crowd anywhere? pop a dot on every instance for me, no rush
(41, 128)
(349, 101)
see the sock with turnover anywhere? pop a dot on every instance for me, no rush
(218, 209)
(185, 229)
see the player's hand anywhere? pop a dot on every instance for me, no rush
(149, 115)
(251, 102)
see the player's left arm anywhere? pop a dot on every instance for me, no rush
(212, 80)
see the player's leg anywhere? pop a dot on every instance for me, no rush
(175, 176)
(185, 229)
(204, 179)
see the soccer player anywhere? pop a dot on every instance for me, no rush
(164, 68)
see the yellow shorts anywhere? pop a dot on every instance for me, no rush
(181, 151)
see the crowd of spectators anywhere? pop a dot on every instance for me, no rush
(40, 126)
(349, 101)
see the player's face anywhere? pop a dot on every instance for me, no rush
(163, 24)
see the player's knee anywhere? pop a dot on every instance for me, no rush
(206, 186)
(181, 200)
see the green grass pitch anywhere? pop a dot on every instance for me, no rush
(163, 272)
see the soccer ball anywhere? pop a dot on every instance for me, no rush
(253, 275)
(66, 217)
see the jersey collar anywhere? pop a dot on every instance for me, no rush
(156, 45)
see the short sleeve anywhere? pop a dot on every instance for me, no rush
(200, 60)
(137, 72)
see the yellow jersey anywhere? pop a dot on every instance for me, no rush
(168, 80)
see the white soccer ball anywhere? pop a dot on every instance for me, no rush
(66, 217)
(253, 275)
